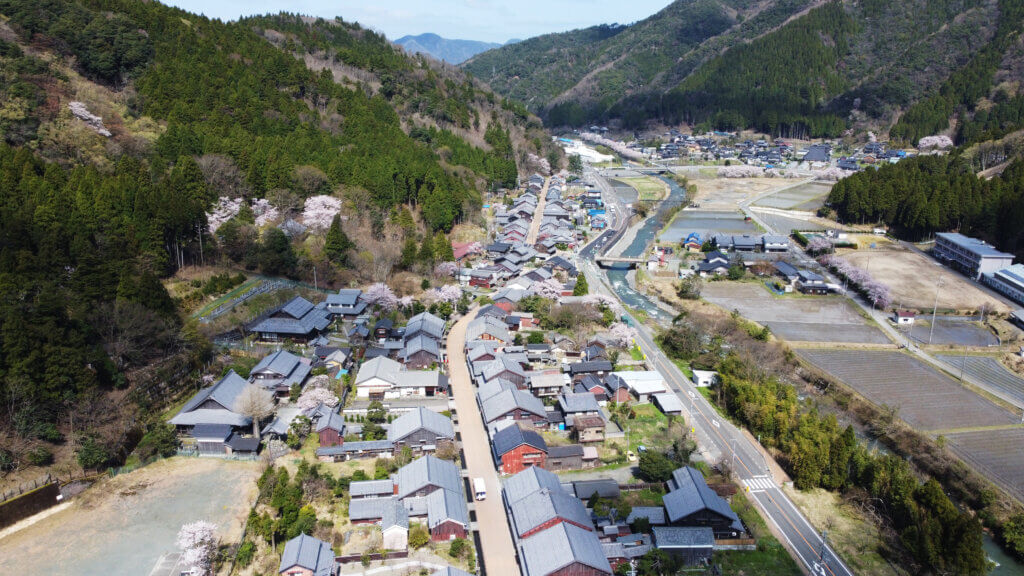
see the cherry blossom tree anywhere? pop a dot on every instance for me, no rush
(265, 212)
(938, 142)
(198, 545)
(446, 269)
(319, 211)
(620, 148)
(225, 209)
(878, 294)
(475, 248)
(312, 398)
(621, 334)
(405, 301)
(380, 294)
(872, 137)
(447, 293)
(741, 171)
(833, 174)
(819, 245)
(549, 288)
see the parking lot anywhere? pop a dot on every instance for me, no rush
(924, 397)
(796, 318)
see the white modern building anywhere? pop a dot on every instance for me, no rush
(1009, 282)
(969, 255)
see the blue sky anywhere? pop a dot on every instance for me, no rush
(489, 20)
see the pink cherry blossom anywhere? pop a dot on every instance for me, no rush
(549, 288)
(380, 294)
(935, 142)
(621, 334)
(312, 398)
(319, 211)
(198, 544)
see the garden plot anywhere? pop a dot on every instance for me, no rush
(122, 525)
(911, 278)
(953, 331)
(796, 318)
(706, 223)
(998, 453)
(806, 197)
(925, 398)
(990, 371)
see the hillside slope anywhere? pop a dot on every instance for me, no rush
(125, 123)
(452, 51)
(789, 67)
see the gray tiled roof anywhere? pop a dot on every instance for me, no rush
(314, 319)
(444, 505)
(513, 436)
(425, 323)
(560, 546)
(565, 451)
(528, 481)
(394, 515)
(578, 403)
(297, 307)
(503, 363)
(489, 389)
(427, 471)
(421, 342)
(544, 505)
(225, 393)
(211, 432)
(592, 366)
(690, 493)
(683, 537)
(282, 368)
(353, 447)
(369, 508)
(487, 325)
(362, 488)
(654, 514)
(504, 402)
(381, 367)
(310, 553)
(421, 418)
(346, 297)
(333, 421)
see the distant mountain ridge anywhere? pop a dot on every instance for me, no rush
(795, 68)
(449, 50)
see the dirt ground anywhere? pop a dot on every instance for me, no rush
(122, 525)
(727, 193)
(911, 278)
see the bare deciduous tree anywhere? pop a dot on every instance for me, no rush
(256, 403)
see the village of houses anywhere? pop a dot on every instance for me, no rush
(367, 387)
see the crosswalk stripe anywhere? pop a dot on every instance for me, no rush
(759, 483)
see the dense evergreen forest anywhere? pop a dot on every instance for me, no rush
(929, 194)
(198, 109)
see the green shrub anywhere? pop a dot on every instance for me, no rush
(245, 553)
(40, 456)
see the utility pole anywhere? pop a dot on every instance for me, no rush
(935, 307)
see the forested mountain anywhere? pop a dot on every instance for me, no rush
(446, 49)
(788, 67)
(103, 199)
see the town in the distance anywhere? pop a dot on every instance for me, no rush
(279, 296)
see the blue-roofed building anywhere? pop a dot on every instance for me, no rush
(348, 302)
(1008, 282)
(969, 255)
(690, 502)
(298, 320)
(277, 372)
(307, 556)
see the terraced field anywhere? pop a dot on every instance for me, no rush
(999, 453)
(925, 398)
(988, 370)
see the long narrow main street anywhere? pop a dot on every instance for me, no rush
(538, 215)
(496, 545)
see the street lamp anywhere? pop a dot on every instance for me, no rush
(935, 307)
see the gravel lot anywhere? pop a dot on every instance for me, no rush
(989, 370)
(999, 453)
(926, 398)
(796, 318)
(122, 525)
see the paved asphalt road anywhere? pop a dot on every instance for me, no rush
(716, 435)
(491, 524)
(538, 214)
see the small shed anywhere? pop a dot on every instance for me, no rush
(692, 545)
(704, 378)
(904, 317)
(668, 403)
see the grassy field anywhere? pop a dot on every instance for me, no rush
(853, 538)
(648, 187)
(770, 558)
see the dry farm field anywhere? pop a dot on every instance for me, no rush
(911, 277)
(988, 370)
(796, 318)
(953, 331)
(728, 193)
(122, 525)
(999, 453)
(925, 398)
(808, 197)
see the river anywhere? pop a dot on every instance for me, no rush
(643, 238)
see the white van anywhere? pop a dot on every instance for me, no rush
(479, 488)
